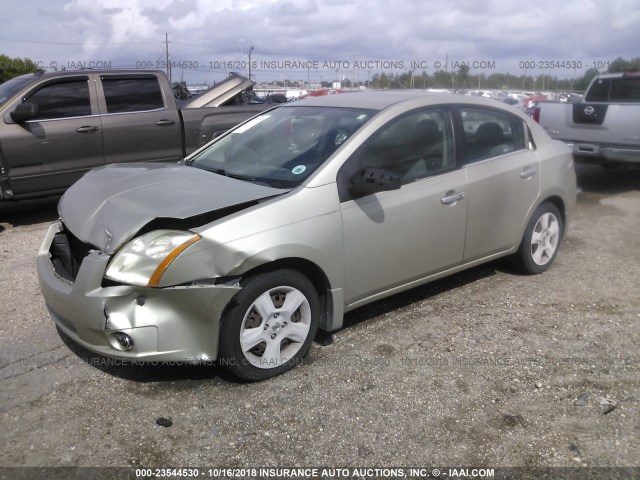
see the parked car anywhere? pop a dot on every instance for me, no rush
(58, 125)
(307, 211)
(604, 128)
(534, 104)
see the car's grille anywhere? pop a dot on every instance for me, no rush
(67, 253)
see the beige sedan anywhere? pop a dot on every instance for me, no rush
(308, 210)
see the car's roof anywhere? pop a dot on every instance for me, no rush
(373, 100)
(380, 100)
(70, 73)
(618, 75)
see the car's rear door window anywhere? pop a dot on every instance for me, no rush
(132, 94)
(488, 133)
(625, 90)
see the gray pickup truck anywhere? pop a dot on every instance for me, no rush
(55, 126)
(605, 127)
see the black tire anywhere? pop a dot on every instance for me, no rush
(541, 240)
(284, 337)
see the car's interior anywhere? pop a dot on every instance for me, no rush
(488, 134)
(414, 147)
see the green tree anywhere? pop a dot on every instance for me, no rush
(463, 75)
(582, 83)
(440, 79)
(619, 65)
(12, 67)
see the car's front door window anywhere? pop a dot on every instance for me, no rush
(62, 100)
(415, 146)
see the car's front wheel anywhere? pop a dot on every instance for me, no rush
(270, 325)
(541, 240)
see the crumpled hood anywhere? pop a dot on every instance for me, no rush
(109, 205)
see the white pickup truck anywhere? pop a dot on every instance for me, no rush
(605, 127)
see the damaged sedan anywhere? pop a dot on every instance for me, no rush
(302, 213)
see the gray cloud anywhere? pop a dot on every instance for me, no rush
(503, 31)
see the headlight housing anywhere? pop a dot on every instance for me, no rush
(144, 259)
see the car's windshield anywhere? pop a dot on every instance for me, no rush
(8, 88)
(282, 147)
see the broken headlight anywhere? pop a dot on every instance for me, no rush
(144, 260)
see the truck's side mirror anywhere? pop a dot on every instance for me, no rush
(24, 112)
(372, 180)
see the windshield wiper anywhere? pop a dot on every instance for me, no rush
(237, 176)
(224, 173)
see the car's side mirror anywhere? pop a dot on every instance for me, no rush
(24, 112)
(372, 180)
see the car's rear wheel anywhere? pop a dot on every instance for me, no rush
(541, 240)
(270, 325)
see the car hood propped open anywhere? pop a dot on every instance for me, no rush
(109, 205)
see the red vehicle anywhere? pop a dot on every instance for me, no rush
(322, 92)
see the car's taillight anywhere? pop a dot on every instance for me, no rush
(536, 114)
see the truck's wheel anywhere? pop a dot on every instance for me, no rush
(270, 325)
(541, 240)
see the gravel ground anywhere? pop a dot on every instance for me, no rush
(485, 368)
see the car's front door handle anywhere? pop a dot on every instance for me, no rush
(452, 198)
(165, 122)
(528, 172)
(87, 129)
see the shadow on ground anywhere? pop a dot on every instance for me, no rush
(595, 179)
(29, 212)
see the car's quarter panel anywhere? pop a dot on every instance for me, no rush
(393, 238)
(558, 177)
(500, 194)
(557, 170)
(49, 154)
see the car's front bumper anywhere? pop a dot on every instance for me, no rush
(166, 324)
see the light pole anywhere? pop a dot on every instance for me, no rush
(250, 50)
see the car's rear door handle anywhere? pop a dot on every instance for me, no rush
(165, 122)
(452, 198)
(528, 172)
(87, 129)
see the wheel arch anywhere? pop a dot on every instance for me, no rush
(557, 201)
(317, 277)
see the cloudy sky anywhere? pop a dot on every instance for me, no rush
(323, 39)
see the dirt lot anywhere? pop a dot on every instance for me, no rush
(482, 369)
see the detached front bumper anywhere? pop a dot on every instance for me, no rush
(166, 324)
